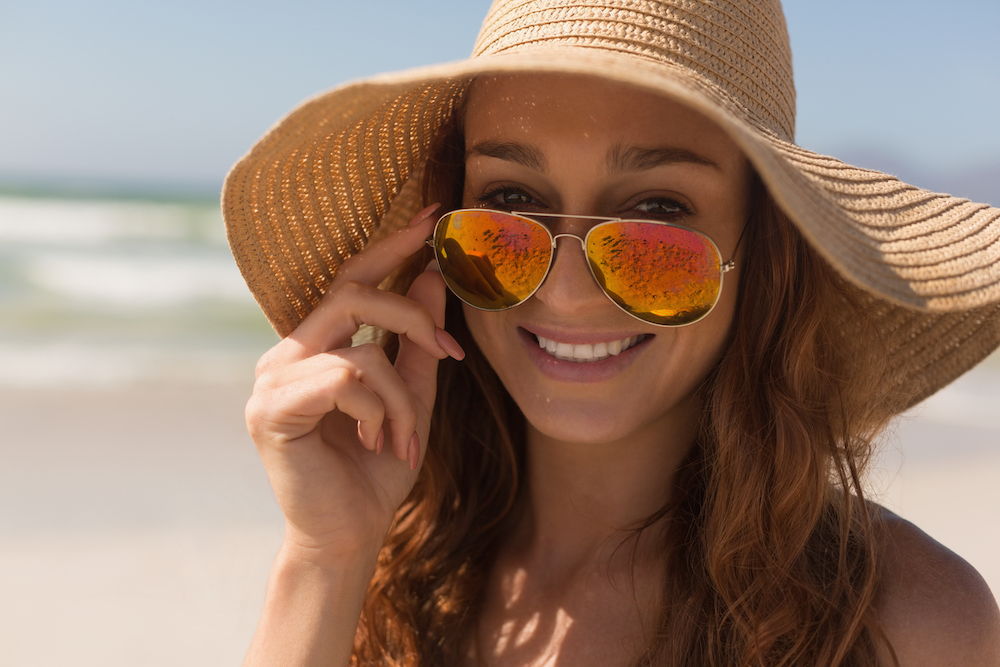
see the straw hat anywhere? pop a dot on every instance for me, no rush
(341, 168)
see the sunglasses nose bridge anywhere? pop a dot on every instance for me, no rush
(555, 246)
(556, 237)
(569, 268)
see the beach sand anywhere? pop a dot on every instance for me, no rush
(137, 525)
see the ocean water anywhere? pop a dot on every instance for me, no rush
(104, 292)
(108, 292)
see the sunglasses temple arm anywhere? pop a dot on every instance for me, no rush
(731, 264)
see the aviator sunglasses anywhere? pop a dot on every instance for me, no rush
(658, 272)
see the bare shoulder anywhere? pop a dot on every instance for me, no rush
(936, 609)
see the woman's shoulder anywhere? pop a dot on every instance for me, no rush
(936, 609)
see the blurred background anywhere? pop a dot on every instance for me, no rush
(136, 522)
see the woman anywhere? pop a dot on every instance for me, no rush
(586, 464)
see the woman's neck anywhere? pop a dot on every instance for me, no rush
(566, 583)
(583, 498)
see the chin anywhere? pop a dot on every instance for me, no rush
(586, 422)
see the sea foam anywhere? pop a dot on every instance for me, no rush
(98, 293)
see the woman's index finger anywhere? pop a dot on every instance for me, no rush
(328, 327)
(374, 264)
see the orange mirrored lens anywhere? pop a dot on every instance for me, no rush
(492, 260)
(659, 273)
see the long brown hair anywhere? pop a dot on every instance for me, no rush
(770, 552)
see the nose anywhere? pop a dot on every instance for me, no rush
(569, 288)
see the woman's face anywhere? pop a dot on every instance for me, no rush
(581, 146)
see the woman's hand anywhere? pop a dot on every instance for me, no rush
(322, 411)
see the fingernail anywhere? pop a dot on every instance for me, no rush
(361, 438)
(424, 214)
(449, 344)
(380, 441)
(414, 452)
(433, 266)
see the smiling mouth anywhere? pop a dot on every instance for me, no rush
(586, 353)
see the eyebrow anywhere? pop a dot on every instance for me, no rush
(619, 159)
(634, 158)
(512, 151)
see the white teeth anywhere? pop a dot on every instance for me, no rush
(586, 352)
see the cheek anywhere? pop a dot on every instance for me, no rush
(710, 336)
(724, 313)
(485, 328)
(687, 355)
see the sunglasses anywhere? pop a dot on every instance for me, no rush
(657, 272)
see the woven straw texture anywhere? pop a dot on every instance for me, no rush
(341, 168)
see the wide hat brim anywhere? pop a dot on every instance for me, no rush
(340, 168)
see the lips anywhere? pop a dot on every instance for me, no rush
(586, 352)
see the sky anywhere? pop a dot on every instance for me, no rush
(169, 93)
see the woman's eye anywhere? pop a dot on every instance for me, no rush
(660, 207)
(506, 198)
(516, 198)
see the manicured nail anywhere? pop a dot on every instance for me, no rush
(361, 438)
(380, 441)
(424, 214)
(414, 452)
(449, 344)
